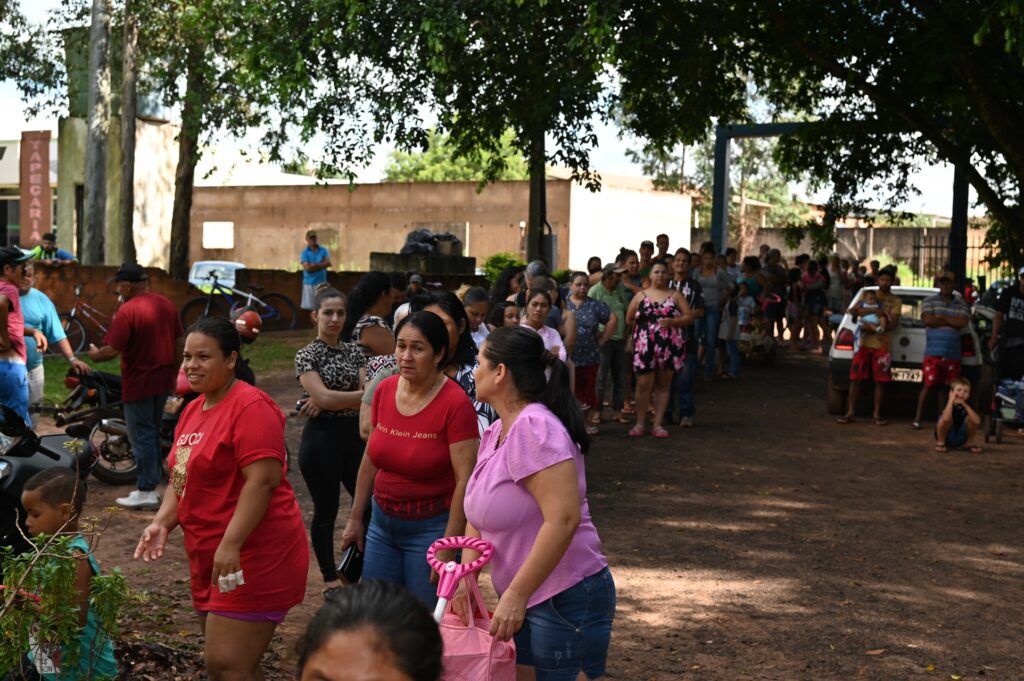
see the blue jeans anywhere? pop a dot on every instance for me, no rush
(396, 551)
(683, 384)
(569, 633)
(712, 318)
(143, 420)
(733, 348)
(14, 387)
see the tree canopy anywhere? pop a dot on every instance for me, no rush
(892, 85)
(363, 73)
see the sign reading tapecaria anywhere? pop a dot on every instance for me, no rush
(36, 197)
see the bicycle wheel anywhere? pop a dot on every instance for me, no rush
(278, 312)
(206, 306)
(74, 330)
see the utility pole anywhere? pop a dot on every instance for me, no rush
(96, 142)
(128, 101)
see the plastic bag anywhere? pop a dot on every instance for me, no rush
(470, 652)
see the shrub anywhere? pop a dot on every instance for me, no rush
(497, 262)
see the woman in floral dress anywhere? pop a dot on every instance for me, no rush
(655, 322)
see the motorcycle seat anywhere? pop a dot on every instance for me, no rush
(55, 444)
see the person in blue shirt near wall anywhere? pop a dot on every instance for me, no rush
(314, 260)
(41, 318)
(48, 255)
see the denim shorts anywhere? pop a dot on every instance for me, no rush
(570, 632)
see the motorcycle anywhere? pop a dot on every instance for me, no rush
(23, 453)
(94, 411)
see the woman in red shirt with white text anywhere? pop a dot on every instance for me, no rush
(244, 536)
(421, 451)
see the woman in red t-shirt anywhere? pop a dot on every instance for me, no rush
(244, 536)
(421, 451)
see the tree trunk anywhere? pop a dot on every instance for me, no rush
(188, 156)
(538, 203)
(96, 142)
(128, 101)
(682, 168)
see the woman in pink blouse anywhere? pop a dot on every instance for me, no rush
(528, 496)
(538, 307)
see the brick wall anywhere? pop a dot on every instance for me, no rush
(59, 285)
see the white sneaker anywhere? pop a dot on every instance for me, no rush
(140, 500)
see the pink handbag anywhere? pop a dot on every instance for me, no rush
(470, 652)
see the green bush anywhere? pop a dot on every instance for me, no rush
(562, 276)
(499, 261)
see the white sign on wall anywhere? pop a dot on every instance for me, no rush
(220, 235)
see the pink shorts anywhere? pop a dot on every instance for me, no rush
(275, 616)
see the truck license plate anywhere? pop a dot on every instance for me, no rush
(906, 375)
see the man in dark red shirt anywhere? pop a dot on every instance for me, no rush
(145, 333)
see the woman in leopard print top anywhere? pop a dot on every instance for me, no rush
(331, 373)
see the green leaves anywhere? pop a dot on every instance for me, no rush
(893, 85)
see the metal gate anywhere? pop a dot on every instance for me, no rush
(931, 254)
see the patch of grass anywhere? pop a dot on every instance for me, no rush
(56, 368)
(266, 355)
(271, 354)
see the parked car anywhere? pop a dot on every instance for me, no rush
(201, 270)
(906, 345)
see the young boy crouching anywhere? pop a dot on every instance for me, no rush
(958, 422)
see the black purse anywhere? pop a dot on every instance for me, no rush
(350, 567)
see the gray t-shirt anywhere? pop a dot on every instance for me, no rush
(714, 287)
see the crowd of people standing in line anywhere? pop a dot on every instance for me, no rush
(456, 413)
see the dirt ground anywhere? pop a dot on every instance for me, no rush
(768, 542)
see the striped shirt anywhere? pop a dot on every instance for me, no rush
(943, 341)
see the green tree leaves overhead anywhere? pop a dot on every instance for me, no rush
(367, 72)
(892, 84)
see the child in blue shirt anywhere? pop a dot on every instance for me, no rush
(53, 501)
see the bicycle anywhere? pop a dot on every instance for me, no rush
(276, 310)
(74, 327)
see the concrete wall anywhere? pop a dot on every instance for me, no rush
(155, 163)
(270, 222)
(601, 223)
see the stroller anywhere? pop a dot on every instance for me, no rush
(1007, 405)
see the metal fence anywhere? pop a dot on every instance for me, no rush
(931, 254)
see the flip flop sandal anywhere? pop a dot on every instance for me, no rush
(974, 449)
(659, 432)
(916, 425)
(844, 420)
(940, 448)
(593, 430)
(623, 418)
(595, 418)
(881, 422)
(636, 431)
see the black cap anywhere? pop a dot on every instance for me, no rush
(131, 272)
(9, 255)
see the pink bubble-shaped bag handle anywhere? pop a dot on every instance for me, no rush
(449, 572)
